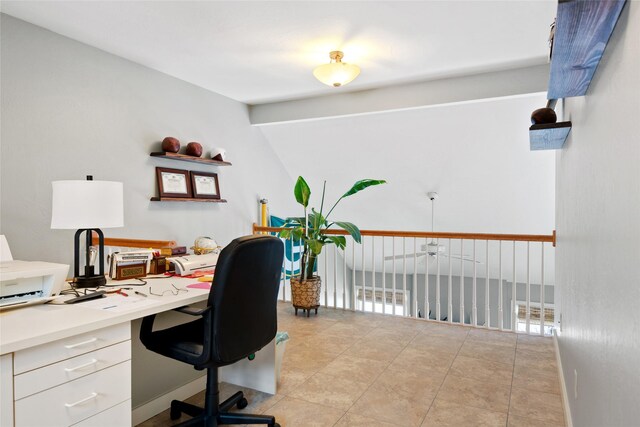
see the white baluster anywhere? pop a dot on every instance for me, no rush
(364, 297)
(344, 278)
(353, 275)
(542, 317)
(414, 288)
(393, 280)
(335, 275)
(373, 274)
(514, 306)
(487, 280)
(449, 290)
(438, 317)
(500, 291)
(325, 288)
(384, 280)
(426, 284)
(404, 277)
(461, 282)
(528, 298)
(474, 299)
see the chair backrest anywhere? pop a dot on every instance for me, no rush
(244, 297)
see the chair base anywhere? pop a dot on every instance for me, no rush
(214, 414)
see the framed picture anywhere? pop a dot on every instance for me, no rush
(173, 182)
(205, 185)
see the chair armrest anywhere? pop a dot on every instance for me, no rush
(192, 311)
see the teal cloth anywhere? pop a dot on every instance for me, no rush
(292, 251)
(281, 337)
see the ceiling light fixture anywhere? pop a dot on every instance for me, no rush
(336, 73)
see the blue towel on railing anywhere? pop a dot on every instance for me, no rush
(292, 251)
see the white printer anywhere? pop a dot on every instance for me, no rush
(28, 282)
(189, 264)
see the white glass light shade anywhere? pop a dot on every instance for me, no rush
(87, 204)
(336, 73)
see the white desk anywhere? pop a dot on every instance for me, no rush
(43, 348)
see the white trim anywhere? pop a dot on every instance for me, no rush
(276, 122)
(563, 385)
(159, 404)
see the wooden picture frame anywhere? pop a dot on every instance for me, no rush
(174, 183)
(205, 185)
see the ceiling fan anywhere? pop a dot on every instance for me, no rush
(432, 248)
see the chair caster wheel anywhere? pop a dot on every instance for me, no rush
(275, 425)
(174, 413)
(242, 403)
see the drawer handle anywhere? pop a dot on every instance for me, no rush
(70, 346)
(86, 399)
(84, 365)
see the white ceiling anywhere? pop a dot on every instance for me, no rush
(258, 52)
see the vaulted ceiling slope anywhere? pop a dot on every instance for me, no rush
(475, 155)
(258, 52)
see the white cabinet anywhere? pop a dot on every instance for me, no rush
(82, 380)
(6, 389)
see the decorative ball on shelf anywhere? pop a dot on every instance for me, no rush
(171, 144)
(205, 245)
(543, 116)
(218, 153)
(194, 149)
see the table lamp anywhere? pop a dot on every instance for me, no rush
(87, 206)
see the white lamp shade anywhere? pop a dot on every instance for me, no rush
(336, 73)
(87, 204)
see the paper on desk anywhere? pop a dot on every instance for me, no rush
(119, 303)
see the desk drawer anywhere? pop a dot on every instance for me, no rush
(45, 354)
(118, 416)
(76, 400)
(49, 376)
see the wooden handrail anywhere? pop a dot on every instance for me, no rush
(135, 243)
(439, 235)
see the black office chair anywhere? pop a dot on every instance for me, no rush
(240, 319)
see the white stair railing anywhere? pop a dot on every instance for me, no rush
(489, 281)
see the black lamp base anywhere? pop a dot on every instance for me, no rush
(89, 281)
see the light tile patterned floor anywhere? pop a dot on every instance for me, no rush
(352, 369)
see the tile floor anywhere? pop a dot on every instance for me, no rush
(352, 369)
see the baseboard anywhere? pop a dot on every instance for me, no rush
(563, 385)
(159, 404)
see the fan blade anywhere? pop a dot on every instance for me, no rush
(390, 257)
(464, 258)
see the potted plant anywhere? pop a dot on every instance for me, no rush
(310, 230)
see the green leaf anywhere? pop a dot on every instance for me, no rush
(302, 191)
(316, 219)
(315, 246)
(285, 234)
(362, 184)
(339, 241)
(351, 229)
(297, 233)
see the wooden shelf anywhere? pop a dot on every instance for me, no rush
(549, 136)
(185, 158)
(582, 31)
(186, 199)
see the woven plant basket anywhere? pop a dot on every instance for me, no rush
(306, 295)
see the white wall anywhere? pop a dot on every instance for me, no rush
(475, 155)
(70, 110)
(598, 226)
